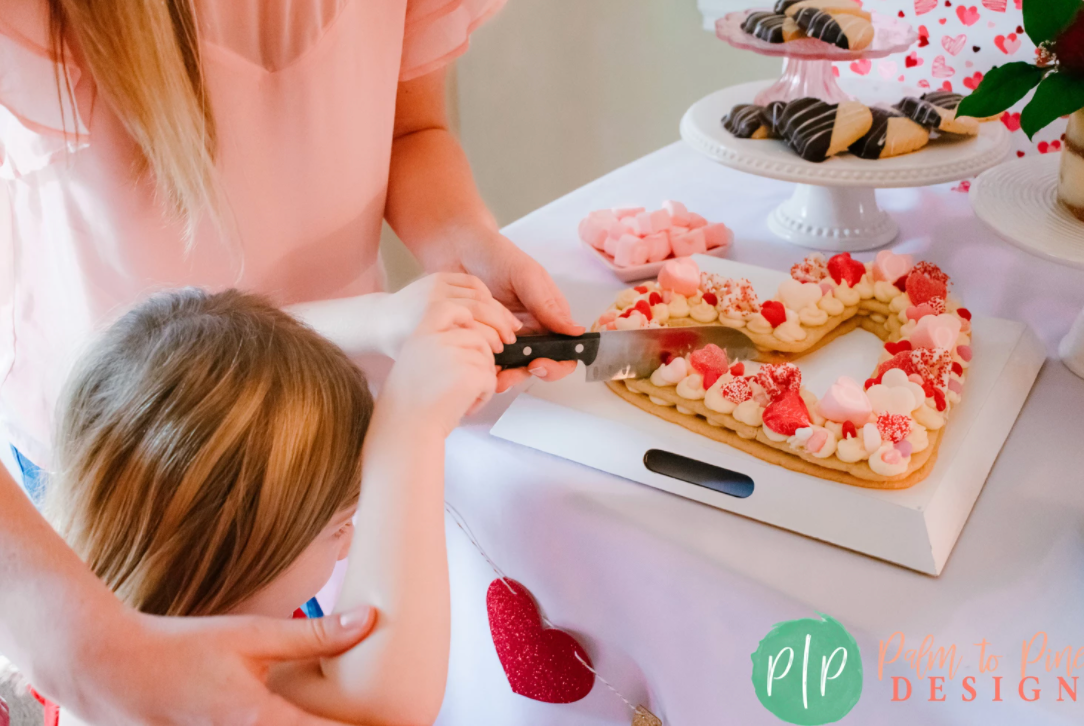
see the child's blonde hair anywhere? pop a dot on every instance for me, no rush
(204, 442)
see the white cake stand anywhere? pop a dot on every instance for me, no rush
(834, 206)
(807, 70)
(1018, 201)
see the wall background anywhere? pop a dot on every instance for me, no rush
(555, 93)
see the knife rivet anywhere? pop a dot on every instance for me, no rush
(579, 347)
(526, 350)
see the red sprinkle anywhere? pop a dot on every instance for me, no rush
(667, 356)
(957, 368)
(964, 313)
(901, 283)
(871, 382)
(654, 299)
(849, 430)
(779, 378)
(737, 391)
(898, 347)
(627, 313)
(939, 399)
(643, 307)
(774, 312)
(640, 289)
(738, 369)
(894, 427)
(927, 389)
(711, 299)
(710, 378)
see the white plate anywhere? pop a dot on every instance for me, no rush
(890, 36)
(635, 273)
(943, 160)
(1018, 200)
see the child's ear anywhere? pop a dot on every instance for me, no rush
(344, 545)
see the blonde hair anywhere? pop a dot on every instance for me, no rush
(205, 441)
(144, 57)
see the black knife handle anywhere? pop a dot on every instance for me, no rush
(553, 346)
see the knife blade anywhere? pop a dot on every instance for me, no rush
(612, 355)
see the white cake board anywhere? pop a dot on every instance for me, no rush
(915, 527)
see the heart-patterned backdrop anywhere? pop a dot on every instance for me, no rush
(958, 42)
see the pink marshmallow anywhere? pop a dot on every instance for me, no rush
(658, 246)
(696, 221)
(631, 226)
(716, 235)
(592, 232)
(679, 215)
(631, 250)
(652, 222)
(616, 229)
(691, 243)
(622, 212)
(609, 246)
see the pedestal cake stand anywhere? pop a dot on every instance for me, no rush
(834, 206)
(807, 70)
(1018, 201)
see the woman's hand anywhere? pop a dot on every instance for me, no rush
(205, 670)
(525, 288)
(445, 370)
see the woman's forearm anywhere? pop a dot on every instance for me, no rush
(48, 599)
(359, 325)
(433, 203)
(398, 563)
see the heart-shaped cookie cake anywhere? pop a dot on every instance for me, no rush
(883, 433)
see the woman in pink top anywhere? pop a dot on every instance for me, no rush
(149, 144)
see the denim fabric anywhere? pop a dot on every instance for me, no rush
(33, 477)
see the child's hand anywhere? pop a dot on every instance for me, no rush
(445, 369)
(405, 310)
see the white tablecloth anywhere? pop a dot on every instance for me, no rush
(671, 597)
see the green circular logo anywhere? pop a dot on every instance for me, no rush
(808, 671)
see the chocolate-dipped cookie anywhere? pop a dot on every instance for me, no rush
(849, 32)
(817, 130)
(935, 117)
(891, 134)
(747, 121)
(771, 27)
(832, 7)
(773, 113)
(950, 101)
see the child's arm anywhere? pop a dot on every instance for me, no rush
(398, 561)
(379, 323)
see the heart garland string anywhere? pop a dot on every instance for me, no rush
(541, 661)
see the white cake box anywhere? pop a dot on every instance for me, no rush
(915, 527)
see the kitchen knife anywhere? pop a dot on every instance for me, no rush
(612, 355)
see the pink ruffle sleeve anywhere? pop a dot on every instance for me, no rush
(36, 123)
(437, 31)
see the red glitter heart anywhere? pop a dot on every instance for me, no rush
(774, 312)
(898, 347)
(540, 662)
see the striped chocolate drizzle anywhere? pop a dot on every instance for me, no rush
(943, 99)
(872, 144)
(782, 5)
(765, 25)
(807, 125)
(773, 116)
(921, 112)
(744, 120)
(822, 26)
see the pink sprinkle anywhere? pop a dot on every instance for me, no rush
(964, 351)
(955, 386)
(905, 448)
(827, 287)
(913, 313)
(915, 378)
(816, 441)
(667, 296)
(892, 456)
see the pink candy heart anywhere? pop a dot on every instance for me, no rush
(846, 401)
(680, 275)
(889, 267)
(936, 331)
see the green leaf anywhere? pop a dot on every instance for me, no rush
(1059, 94)
(1044, 19)
(1001, 88)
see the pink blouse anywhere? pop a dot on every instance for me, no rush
(303, 92)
